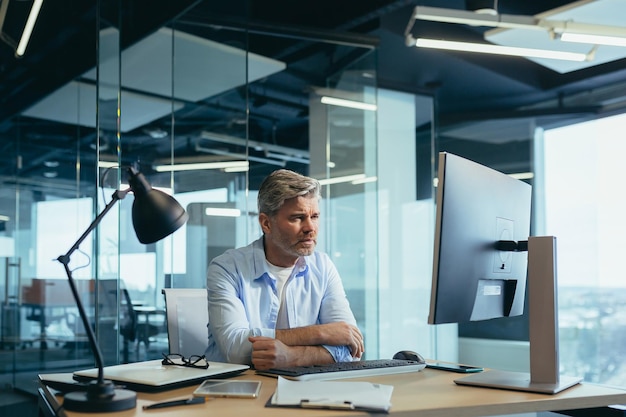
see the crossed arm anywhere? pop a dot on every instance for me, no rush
(243, 318)
(303, 346)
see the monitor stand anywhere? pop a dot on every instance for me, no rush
(544, 375)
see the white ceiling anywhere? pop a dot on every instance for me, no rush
(201, 68)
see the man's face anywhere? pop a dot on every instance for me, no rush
(292, 231)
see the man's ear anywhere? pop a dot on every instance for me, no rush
(264, 221)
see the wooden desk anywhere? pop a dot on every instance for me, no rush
(428, 393)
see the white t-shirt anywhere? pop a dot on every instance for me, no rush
(282, 275)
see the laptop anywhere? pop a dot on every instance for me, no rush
(151, 376)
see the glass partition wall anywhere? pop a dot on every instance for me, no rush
(205, 112)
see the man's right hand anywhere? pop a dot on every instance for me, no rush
(333, 334)
(272, 353)
(344, 334)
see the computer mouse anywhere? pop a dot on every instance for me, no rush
(409, 355)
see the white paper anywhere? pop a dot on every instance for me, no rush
(333, 394)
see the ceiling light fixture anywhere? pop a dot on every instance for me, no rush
(222, 212)
(220, 152)
(593, 39)
(204, 145)
(365, 180)
(107, 164)
(338, 180)
(237, 169)
(569, 31)
(20, 47)
(28, 29)
(334, 101)
(464, 17)
(559, 30)
(287, 157)
(201, 165)
(522, 175)
(486, 48)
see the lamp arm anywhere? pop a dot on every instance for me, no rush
(117, 195)
(65, 260)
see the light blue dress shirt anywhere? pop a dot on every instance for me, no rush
(243, 301)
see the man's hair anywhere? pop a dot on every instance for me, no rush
(282, 185)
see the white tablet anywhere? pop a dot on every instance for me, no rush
(228, 388)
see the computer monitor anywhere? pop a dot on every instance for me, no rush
(482, 257)
(477, 207)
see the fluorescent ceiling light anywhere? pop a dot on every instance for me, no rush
(282, 152)
(287, 157)
(465, 17)
(499, 50)
(337, 180)
(541, 33)
(334, 101)
(593, 39)
(365, 180)
(107, 164)
(237, 169)
(571, 31)
(4, 218)
(522, 175)
(224, 212)
(214, 151)
(565, 20)
(507, 21)
(201, 165)
(28, 29)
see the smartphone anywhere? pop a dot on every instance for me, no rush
(462, 369)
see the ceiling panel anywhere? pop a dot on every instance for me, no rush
(600, 12)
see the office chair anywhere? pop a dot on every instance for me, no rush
(187, 315)
(133, 329)
(127, 324)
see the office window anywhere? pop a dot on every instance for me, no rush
(584, 196)
(245, 103)
(56, 234)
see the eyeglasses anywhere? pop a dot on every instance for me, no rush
(194, 361)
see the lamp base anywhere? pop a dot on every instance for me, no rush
(100, 397)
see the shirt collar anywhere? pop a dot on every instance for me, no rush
(260, 267)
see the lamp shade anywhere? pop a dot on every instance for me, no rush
(155, 214)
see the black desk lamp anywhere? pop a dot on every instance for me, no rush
(155, 216)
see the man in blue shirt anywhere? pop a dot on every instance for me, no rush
(278, 302)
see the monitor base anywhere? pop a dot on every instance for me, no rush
(516, 381)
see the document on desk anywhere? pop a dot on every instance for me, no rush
(339, 395)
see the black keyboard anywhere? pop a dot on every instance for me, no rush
(337, 370)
